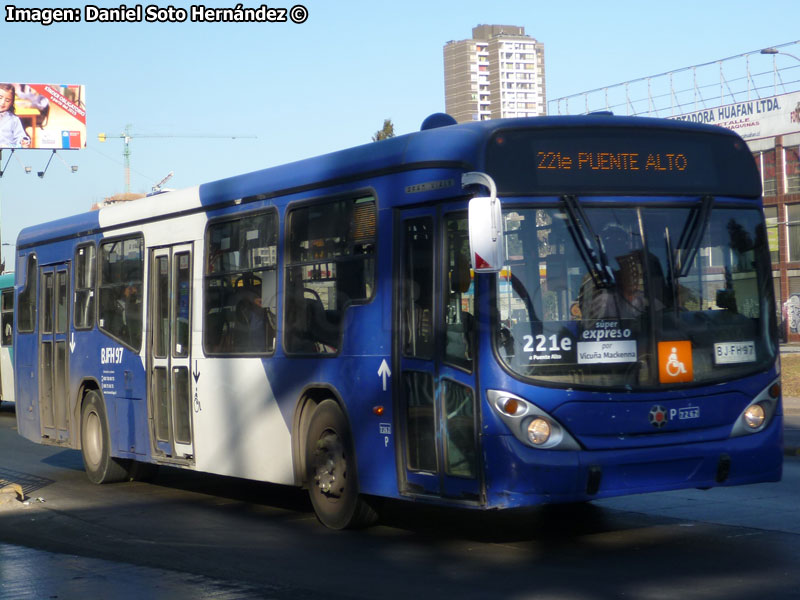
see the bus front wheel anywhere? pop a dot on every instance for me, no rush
(100, 466)
(331, 471)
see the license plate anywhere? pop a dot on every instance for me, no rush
(727, 353)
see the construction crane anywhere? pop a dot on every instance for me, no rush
(126, 136)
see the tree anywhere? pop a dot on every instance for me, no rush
(385, 133)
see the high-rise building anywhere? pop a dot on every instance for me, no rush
(498, 73)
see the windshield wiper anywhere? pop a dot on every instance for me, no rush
(671, 275)
(589, 244)
(692, 234)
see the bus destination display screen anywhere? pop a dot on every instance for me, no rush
(613, 160)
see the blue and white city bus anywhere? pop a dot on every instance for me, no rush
(6, 337)
(600, 322)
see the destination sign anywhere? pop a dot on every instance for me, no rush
(611, 161)
(589, 160)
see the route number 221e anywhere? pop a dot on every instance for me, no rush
(556, 344)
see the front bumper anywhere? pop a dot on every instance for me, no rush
(517, 475)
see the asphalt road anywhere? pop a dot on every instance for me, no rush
(189, 535)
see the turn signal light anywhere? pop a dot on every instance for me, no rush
(510, 406)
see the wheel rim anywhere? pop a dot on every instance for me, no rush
(330, 466)
(93, 439)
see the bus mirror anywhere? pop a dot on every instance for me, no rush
(486, 235)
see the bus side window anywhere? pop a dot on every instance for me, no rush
(26, 317)
(120, 306)
(330, 264)
(85, 269)
(417, 290)
(241, 285)
(460, 296)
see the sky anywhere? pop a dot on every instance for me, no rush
(299, 90)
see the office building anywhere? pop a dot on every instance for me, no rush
(498, 73)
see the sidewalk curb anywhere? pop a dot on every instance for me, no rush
(791, 408)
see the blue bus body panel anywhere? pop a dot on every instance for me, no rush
(418, 150)
(118, 371)
(66, 228)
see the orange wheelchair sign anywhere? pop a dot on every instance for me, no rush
(675, 361)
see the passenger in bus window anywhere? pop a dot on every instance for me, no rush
(131, 302)
(624, 298)
(130, 310)
(251, 323)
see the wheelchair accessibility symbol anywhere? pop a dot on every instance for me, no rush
(674, 366)
(675, 361)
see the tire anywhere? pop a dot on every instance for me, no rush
(100, 466)
(331, 471)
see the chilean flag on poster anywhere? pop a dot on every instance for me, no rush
(71, 140)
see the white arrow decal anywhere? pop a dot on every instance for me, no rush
(72, 343)
(384, 372)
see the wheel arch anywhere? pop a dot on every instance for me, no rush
(311, 396)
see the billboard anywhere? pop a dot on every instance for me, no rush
(42, 115)
(753, 119)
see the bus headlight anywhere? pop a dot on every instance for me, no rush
(530, 424)
(754, 416)
(538, 431)
(757, 415)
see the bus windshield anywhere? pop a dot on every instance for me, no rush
(688, 300)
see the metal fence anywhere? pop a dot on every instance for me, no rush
(749, 76)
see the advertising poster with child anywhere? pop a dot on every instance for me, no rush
(42, 115)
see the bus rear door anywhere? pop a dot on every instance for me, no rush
(53, 351)
(169, 357)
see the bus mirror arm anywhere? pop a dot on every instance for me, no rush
(478, 178)
(487, 248)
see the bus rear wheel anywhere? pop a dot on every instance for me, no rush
(331, 471)
(100, 466)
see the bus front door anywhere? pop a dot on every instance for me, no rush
(168, 352)
(53, 353)
(438, 415)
